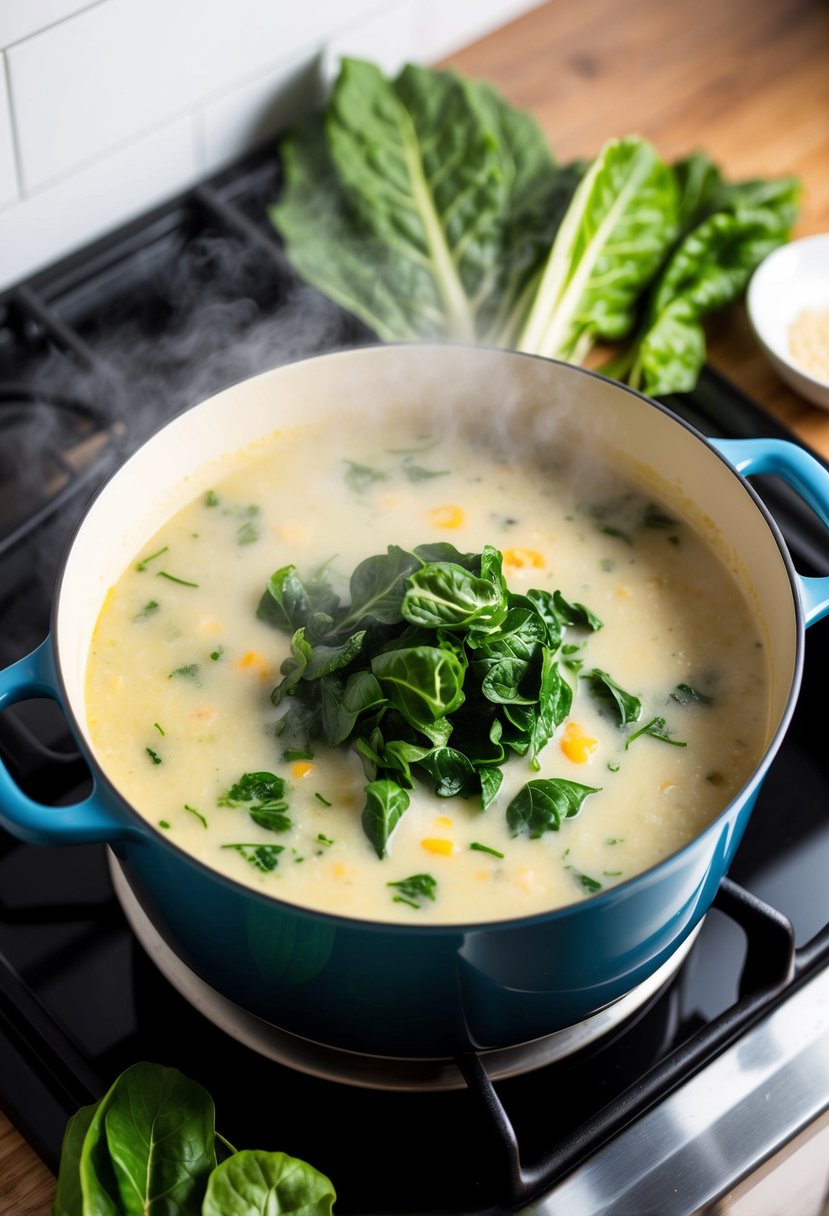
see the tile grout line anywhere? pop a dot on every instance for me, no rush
(16, 149)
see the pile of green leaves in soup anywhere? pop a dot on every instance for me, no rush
(430, 208)
(433, 669)
(150, 1145)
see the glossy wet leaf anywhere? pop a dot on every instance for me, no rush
(258, 1183)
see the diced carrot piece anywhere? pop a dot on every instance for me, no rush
(447, 516)
(522, 559)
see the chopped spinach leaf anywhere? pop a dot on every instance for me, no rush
(628, 706)
(159, 728)
(247, 533)
(386, 803)
(319, 797)
(414, 890)
(154, 756)
(163, 823)
(657, 729)
(542, 804)
(191, 671)
(217, 653)
(584, 880)
(263, 857)
(359, 477)
(325, 839)
(211, 499)
(684, 694)
(149, 608)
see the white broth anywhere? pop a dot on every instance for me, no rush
(181, 671)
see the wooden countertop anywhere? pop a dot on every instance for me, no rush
(745, 80)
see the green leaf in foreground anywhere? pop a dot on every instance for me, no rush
(152, 1134)
(541, 805)
(385, 805)
(257, 1183)
(68, 1199)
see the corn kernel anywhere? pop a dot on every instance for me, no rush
(293, 534)
(301, 769)
(434, 844)
(665, 787)
(622, 592)
(443, 821)
(576, 745)
(523, 559)
(208, 626)
(252, 660)
(447, 516)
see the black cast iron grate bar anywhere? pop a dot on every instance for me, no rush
(767, 972)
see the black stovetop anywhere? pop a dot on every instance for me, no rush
(96, 353)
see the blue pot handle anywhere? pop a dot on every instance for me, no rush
(806, 475)
(34, 676)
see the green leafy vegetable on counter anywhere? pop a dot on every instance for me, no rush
(150, 1145)
(431, 208)
(434, 671)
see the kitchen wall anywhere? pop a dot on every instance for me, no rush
(108, 108)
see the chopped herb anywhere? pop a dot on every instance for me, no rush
(297, 753)
(607, 564)
(684, 694)
(183, 582)
(253, 786)
(616, 533)
(325, 839)
(614, 840)
(657, 729)
(613, 766)
(159, 728)
(414, 889)
(211, 499)
(484, 848)
(191, 672)
(611, 873)
(416, 472)
(198, 814)
(162, 823)
(359, 477)
(263, 857)
(271, 816)
(217, 654)
(142, 565)
(323, 800)
(584, 880)
(655, 518)
(247, 533)
(149, 608)
(154, 756)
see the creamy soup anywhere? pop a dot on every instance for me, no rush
(653, 712)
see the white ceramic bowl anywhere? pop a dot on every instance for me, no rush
(793, 278)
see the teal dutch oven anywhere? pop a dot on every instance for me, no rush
(406, 990)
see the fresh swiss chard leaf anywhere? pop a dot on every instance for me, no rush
(555, 699)
(424, 683)
(442, 595)
(160, 1141)
(386, 803)
(325, 659)
(258, 1183)
(342, 702)
(542, 804)
(575, 614)
(508, 681)
(490, 779)
(68, 1199)
(442, 551)
(285, 603)
(450, 770)
(377, 587)
(628, 706)
(620, 223)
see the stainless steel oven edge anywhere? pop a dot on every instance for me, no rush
(747, 1136)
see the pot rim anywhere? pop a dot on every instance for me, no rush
(606, 898)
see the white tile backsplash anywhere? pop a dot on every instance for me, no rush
(112, 105)
(21, 18)
(8, 169)
(37, 230)
(248, 116)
